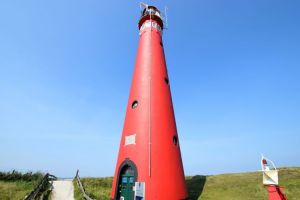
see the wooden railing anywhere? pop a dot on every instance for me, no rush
(81, 187)
(41, 187)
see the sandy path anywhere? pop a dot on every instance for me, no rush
(63, 190)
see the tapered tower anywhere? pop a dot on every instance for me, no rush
(149, 164)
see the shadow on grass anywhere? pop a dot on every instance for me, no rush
(195, 186)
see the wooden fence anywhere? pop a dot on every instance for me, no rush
(81, 187)
(41, 187)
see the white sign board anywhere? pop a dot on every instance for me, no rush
(139, 191)
(130, 139)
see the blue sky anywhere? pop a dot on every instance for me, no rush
(65, 74)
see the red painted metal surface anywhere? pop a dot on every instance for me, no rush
(156, 152)
(276, 192)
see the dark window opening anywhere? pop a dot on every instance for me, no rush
(134, 104)
(167, 80)
(175, 140)
(161, 44)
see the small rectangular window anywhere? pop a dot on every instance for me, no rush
(131, 180)
(124, 180)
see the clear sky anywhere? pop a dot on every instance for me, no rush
(66, 68)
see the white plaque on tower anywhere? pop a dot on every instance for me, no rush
(130, 139)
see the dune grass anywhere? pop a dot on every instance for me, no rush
(238, 186)
(96, 188)
(15, 185)
(15, 189)
(248, 186)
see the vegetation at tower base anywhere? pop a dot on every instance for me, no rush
(237, 186)
(16, 185)
(96, 188)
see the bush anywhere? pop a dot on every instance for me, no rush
(18, 176)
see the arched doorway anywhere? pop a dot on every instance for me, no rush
(126, 180)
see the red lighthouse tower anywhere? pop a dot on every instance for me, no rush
(149, 164)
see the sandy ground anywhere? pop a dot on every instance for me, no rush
(63, 190)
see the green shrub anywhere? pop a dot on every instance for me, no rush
(18, 176)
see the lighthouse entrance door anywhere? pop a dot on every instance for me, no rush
(126, 183)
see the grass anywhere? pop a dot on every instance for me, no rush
(239, 186)
(15, 189)
(96, 188)
(15, 185)
(248, 186)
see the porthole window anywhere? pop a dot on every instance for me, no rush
(166, 80)
(134, 104)
(175, 140)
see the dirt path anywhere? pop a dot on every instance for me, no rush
(63, 190)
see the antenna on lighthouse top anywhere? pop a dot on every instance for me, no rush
(165, 19)
(143, 6)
